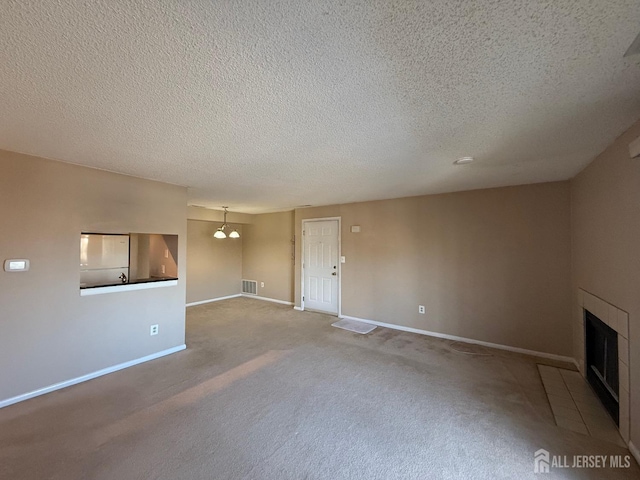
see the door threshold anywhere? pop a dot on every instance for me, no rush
(306, 309)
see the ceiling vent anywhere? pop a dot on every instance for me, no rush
(634, 148)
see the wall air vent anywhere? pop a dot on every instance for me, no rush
(249, 287)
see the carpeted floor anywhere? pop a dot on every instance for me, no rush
(266, 392)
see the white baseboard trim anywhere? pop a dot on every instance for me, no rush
(634, 451)
(267, 299)
(193, 304)
(88, 376)
(499, 346)
(300, 309)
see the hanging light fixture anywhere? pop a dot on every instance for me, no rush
(220, 232)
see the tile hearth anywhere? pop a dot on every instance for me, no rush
(575, 405)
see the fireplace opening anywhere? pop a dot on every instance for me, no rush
(601, 344)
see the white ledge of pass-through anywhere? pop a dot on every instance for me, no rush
(127, 287)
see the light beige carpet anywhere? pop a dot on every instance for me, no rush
(266, 392)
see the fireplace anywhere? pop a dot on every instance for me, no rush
(601, 362)
(590, 313)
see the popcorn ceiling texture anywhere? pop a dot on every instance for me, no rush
(265, 105)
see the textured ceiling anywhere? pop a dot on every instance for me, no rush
(266, 105)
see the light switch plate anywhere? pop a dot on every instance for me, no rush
(343, 259)
(16, 265)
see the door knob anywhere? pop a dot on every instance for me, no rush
(334, 273)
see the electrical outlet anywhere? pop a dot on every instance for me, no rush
(421, 309)
(153, 330)
(261, 284)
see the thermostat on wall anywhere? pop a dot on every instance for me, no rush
(16, 265)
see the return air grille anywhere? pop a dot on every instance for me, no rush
(250, 287)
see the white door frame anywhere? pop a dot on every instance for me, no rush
(309, 220)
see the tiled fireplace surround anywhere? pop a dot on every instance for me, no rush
(618, 320)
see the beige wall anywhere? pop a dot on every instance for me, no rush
(214, 266)
(48, 332)
(210, 215)
(267, 254)
(139, 255)
(605, 203)
(158, 244)
(490, 265)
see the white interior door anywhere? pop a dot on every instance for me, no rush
(320, 265)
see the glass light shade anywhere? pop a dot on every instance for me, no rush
(220, 234)
(234, 234)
